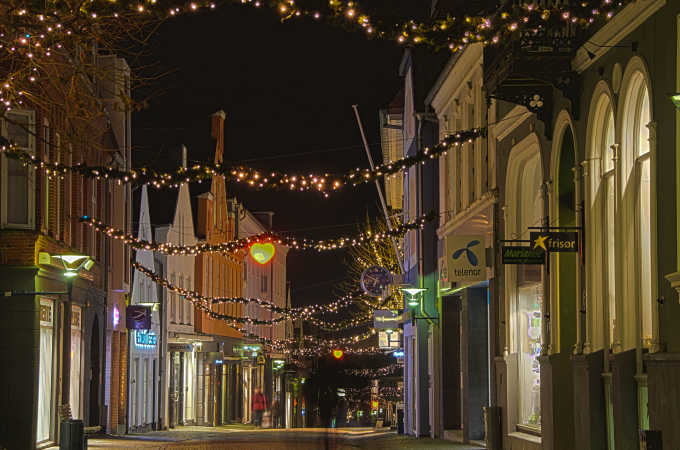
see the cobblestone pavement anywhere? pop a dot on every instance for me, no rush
(248, 438)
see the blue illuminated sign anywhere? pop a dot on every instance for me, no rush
(144, 338)
(398, 354)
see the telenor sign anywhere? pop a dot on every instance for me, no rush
(466, 258)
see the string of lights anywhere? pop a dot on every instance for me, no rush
(203, 302)
(266, 237)
(392, 369)
(33, 35)
(289, 313)
(364, 318)
(245, 175)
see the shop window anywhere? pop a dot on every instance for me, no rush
(76, 361)
(17, 181)
(525, 283)
(45, 379)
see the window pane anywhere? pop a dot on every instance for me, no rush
(529, 321)
(608, 142)
(643, 121)
(17, 190)
(17, 129)
(645, 250)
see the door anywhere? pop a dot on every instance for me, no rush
(173, 391)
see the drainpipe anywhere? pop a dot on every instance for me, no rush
(581, 311)
(547, 337)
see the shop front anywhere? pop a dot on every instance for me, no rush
(219, 384)
(182, 381)
(144, 380)
(464, 289)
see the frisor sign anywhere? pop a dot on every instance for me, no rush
(466, 258)
(555, 241)
(522, 255)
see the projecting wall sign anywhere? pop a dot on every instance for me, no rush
(555, 241)
(522, 255)
(466, 258)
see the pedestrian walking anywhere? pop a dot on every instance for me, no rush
(276, 413)
(259, 405)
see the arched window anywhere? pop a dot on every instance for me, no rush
(601, 216)
(525, 283)
(637, 221)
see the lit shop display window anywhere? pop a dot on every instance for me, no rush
(529, 320)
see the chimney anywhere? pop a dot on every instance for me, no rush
(266, 217)
(184, 156)
(217, 133)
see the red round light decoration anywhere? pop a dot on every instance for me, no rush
(262, 253)
(338, 354)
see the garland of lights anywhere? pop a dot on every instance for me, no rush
(269, 236)
(34, 36)
(202, 301)
(392, 369)
(363, 319)
(245, 175)
(288, 313)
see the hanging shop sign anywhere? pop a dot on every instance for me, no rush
(555, 241)
(144, 338)
(138, 317)
(386, 319)
(522, 255)
(261, 360)
(466, 258)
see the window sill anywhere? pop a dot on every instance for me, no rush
(525, 437)
(529, 429)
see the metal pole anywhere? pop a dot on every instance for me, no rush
(377, 186)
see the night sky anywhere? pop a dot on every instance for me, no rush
(287, 90)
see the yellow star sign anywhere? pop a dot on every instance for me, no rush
(540, 242)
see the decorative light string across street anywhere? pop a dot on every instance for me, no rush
(245, 175)
(266, 237)
(286, 313)
(33, 35)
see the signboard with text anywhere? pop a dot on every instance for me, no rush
(466, 259)
(555, 241)
(522, 255)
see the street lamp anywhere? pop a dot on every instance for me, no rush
(413, 292)
(675, 98)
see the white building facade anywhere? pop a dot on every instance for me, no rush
(144, 379)
(180, 342)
